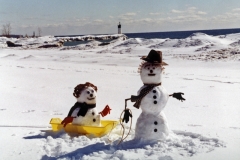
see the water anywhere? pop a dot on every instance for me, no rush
(173, 34)
(180, 34)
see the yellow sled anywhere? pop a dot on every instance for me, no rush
(106, 127)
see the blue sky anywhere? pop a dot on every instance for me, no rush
(71, 17)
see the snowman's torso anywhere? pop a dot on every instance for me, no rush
(152, 124)
(92, 118)
(155, 101)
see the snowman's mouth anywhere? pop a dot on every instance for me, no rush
(91, 98)
(151, 74)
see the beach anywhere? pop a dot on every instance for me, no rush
(37, 84)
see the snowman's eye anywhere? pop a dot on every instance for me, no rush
(88, 92)
(148, 68)
(153, 67)
(92, 91)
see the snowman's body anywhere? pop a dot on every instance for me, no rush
(152, 124)
(92, 116)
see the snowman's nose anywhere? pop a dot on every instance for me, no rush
(91, 95)
(151, 71)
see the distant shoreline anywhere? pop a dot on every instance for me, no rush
(169, 34)
(182, 34)
(160, 35)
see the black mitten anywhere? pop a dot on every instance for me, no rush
(178, 96)
(126, 116)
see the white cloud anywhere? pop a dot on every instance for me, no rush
(236, 10)
(129, 14)
(145, 20)
(192, 8)
(189, 10)
(201, 13)
(177, 11)
(98, 21)
(127, 17)
(228, 17)
(77, 20)
(154, 14)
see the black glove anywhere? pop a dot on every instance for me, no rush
(126, 115)
(178, 96)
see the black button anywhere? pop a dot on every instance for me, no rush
(155, 102)
(94, 120)
(93, 113)
(155, 130)
(154, 97)
(155, 123)
(154, 91)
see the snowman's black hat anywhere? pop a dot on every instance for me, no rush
(154, 57)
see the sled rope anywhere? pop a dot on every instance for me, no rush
(109, 134)
(122, 139)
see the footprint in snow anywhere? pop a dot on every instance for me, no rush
(187, 79)
(235, 128)
(20, 66)
(57, 114)
(27, 57)
(28, 111)
(194, 125)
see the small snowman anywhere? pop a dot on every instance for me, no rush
(84, 111)
(152, 97)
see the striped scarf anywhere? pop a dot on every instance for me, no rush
(142, 94)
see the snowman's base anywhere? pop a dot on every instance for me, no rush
(105, 128)
(151, 127)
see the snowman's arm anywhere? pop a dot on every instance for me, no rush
(69, 117)
(178, 96)
(105, 111)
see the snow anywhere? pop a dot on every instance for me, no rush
(37, 85)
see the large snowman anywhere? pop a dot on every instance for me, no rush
(84, 111)
(152, 98)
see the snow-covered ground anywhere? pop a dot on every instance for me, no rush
(37, 85)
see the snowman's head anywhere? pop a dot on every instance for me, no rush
(151, 73)
(86, 93)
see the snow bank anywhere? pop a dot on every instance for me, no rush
(37, 85)
(186, 144)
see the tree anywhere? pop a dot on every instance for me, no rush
(39, 31)
(6, 30)
(33, 34)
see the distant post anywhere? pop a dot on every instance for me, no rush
(119, 29)
(39, 32)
